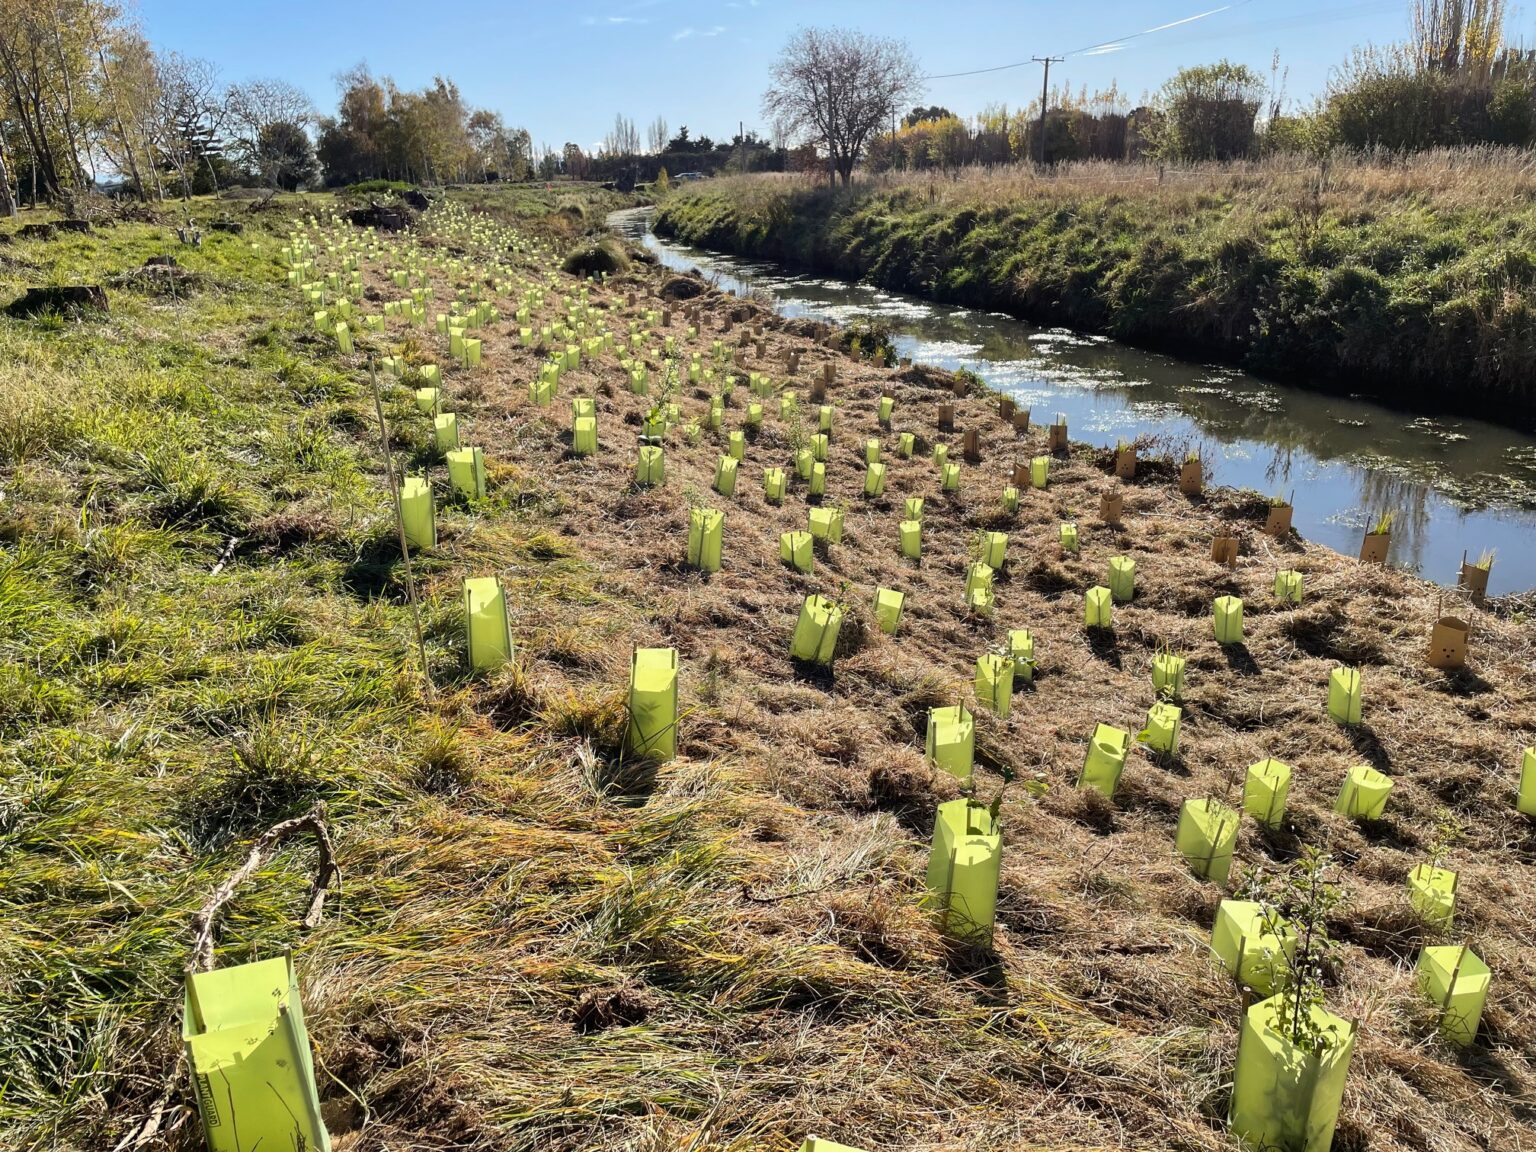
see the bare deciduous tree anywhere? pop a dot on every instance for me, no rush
(624, 140)
(836, 88)
(256, 106)
(1454, 36)
(656, 135)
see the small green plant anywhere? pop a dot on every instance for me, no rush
(1485, 560)
(692, 433)
(1278, 500)
(1383, 525)
(1300, 898)
(973, 382)
(1448, 833)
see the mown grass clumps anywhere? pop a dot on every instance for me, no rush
(606, 256)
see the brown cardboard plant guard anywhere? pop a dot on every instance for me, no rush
(1111, 507)
(1056, 435)
(1278, 522)
(1224, 551)
(1448, 643)
(1474, 577)
(1021, 420)
(946, 417)
(1125, 461)
(971, 446)
(1005, 409)
(1378, 541)
(1192, 476)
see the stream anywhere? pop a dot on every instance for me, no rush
(1456, 485)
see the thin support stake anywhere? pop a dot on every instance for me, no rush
(405, 549)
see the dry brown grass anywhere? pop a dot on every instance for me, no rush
(730, 954)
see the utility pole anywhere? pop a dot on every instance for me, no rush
(1045, 96)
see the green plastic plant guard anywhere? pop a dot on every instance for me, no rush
(774, 484)
(1525, 803)
(815, 637)
(1021, 646)
(1040, 472)
(1229, 619)
(951, 741)
(888, 608)
(1207, 836)
(542, 391)
(706, 534)
(1069, 537)
(963, 868)
(736, 445)
(1098, 608)
(1162, 731)
(650, 466)
(1122, 579)
(941, 454)
(416, 513)
(827, 524)
(824, 419)
(471, 352)
(429, 400)
(887, 406)
(914, 508)
(754, 415)
(1432, 892)
(584, 435)
(874, 479)
(805, 461)
(344, 338)
(818, 483)
(817, 1144)
(951, 478)
(906, 445)
(1285, 1098)
(912, 539)
(1105, 760)
(1168, 675)
(1455, 979)
(1364, 795)
(979, 596)
(445, 431)
(796, 550)
(1265, 791)
(248, 1048)
(820, 447)
(1255, 949)
(1345, 695)
(1288, 586)
(994, 682)
(994, 549)
(487, 631)
(1010, 499)
(786, 405)
(652, 732)
(466, 472)
(725, 476)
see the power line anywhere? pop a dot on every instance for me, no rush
(1101, 44)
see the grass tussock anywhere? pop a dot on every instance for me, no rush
(542, 944)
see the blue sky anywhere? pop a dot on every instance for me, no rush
(563, 69)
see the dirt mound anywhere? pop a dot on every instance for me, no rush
(65, 300)
(682, 288)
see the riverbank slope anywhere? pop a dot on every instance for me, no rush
(1413, 282)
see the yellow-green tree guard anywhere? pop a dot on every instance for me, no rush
(1098, 608)
(1526, 803)
(994, 549)
(416, 512)
(1265, 790)
(1206, 837)
(950, 481)
(1105, 760)
(911, 539)
(1229, 619)
(963, 867)
(1068, 534)
(445, 431)
(1161, 733)
(650, 466)
(874, 479)
(487, 631)
(1345, 695)
(1122, 579)
(248, 1049)
(1364, 794)
(1168, 675)
(1288, 586)
(736, 445)
(466, 472)
(817, 1144)
(774, 485)
(979, 596)
(871, 452)
(1284, 1098)
(951, 740)
(914, 507)
(652, 731)
(818, 484)
(725, 476)
(815, 635)
(827, 524)
(1432, 892)
(1021, 646)
(888, 608)
(906, 445)
(1040, 471)
(1255, 948)
(994, 682)
(1456, 980)
(706, 538)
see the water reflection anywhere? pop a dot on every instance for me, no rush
(1455, 485)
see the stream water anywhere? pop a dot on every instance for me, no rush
(1457, 486)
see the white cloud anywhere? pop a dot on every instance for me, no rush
(690, 32)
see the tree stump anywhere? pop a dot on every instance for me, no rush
(66, 298)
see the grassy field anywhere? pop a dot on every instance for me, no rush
(537, 945)
(1406, 277)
